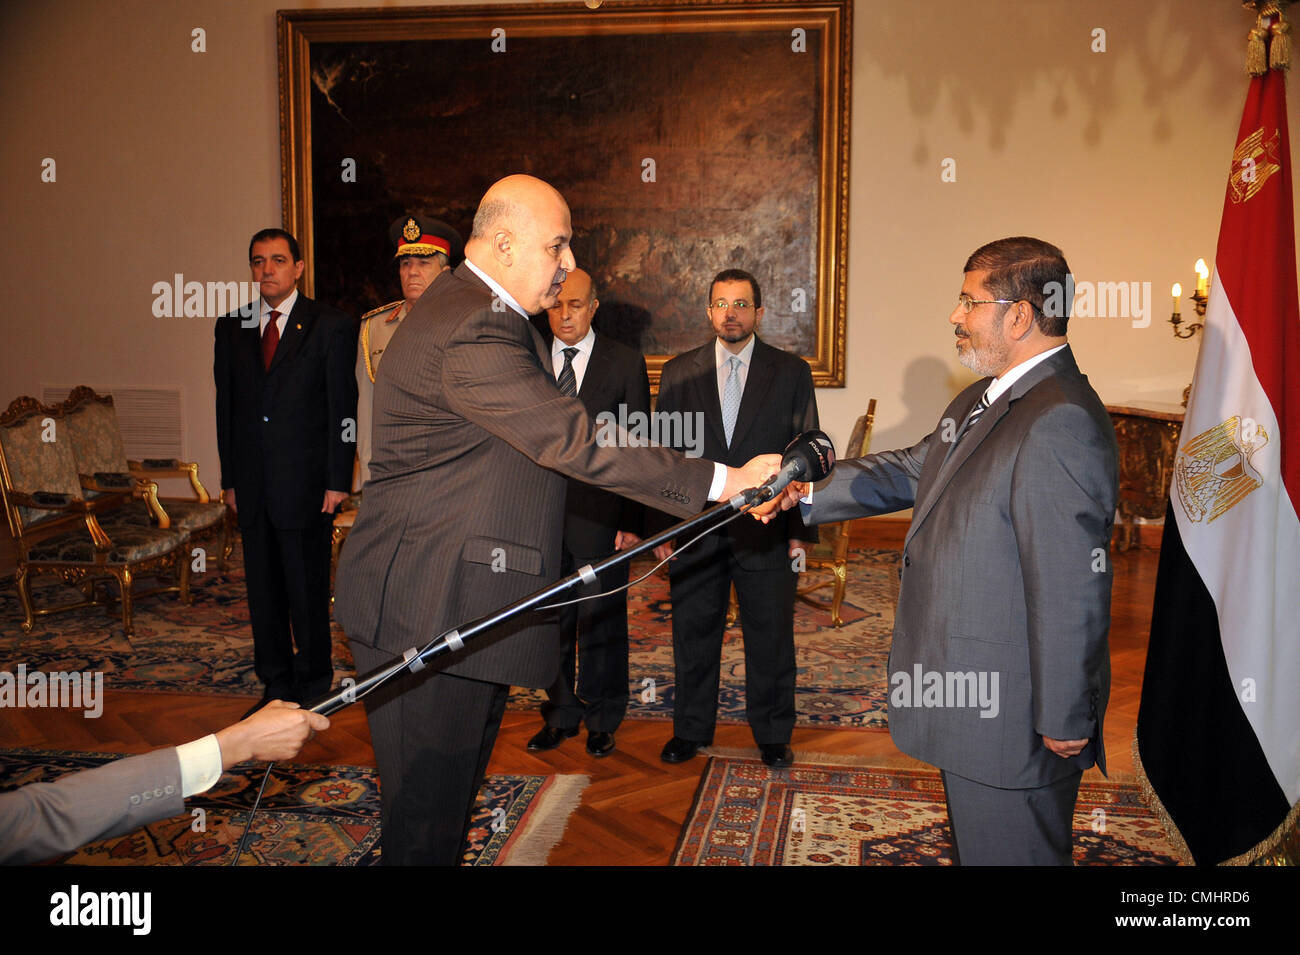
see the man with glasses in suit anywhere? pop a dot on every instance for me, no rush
(752, 396)
(1006, 578)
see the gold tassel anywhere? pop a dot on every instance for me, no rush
(1256, 51)
(1279, 51)
(1148, 794)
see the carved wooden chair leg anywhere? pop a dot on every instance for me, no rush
(124, 585)
(24, 583)
(841, 572)
(183, 577)
(227, 543)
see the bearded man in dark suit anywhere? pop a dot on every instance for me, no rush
(464, 511)
(749, 395)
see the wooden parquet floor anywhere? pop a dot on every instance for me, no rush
(633, 811)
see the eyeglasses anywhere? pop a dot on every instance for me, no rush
(967, 304)
(739, 305)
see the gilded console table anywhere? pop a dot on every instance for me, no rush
(1148, 440)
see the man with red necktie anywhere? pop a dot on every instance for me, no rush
(286, 410)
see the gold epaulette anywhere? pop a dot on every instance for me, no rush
(365, 334)
(382, 308)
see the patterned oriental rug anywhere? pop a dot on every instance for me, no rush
(309, 815)
(841, 681)
(208, 647)
(820, 813)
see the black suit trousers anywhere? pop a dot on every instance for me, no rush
(433, 735)
(700, 593)
(287, 572)
(593, 636)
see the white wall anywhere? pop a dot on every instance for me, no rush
(167, 160)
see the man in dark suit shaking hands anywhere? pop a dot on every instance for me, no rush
(286, 425)
(608, 377)
(999, 670)
(464, 511)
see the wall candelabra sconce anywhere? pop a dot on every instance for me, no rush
(1199, 299)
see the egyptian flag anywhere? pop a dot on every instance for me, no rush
(1218, 734)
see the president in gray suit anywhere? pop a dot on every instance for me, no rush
(1000, 670)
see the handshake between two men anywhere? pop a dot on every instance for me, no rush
(782, 500)
(807, 459)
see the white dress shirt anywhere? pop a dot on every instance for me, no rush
(584, 346)
(200, 765)
(495, 287)
(999, 385)
(284, 308)
(720, 358)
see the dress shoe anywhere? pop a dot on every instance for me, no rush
(600, 744)
(549, 737)
(678, 750)
(776, 755)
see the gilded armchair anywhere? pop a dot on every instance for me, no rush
(58, 532)
(102, 464)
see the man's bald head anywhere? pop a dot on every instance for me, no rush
(521, 238)
(578, 285)
(508, 200)
(576, 305)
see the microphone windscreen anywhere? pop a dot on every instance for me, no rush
(815, 453)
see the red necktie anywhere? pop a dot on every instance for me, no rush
(270, 338)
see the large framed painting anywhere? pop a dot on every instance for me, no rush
(686, 137)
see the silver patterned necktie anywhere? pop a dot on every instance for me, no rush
(731, 398)
(568, 380)
(981, 406)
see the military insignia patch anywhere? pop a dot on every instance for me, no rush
(1213, 469)
(411, 231)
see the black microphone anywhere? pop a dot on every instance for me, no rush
(809, 457)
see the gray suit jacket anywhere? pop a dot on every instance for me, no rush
(1006, 571)
(41, 820)
(465, 505)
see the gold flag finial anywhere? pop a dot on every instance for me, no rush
(1268, 45)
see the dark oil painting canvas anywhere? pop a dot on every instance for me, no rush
(681, 152)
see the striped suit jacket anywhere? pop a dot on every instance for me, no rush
(464, 511)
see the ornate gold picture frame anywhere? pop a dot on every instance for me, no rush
(686, 137)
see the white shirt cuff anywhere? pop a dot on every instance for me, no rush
(719, 481)
(200, 765)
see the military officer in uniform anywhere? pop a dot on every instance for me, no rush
(425, 249)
